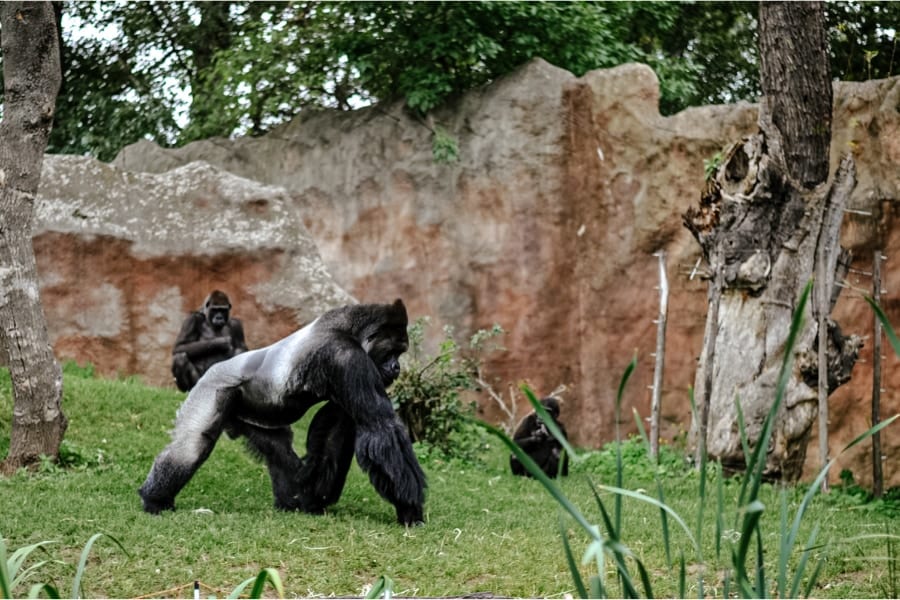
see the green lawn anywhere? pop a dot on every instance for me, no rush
(486, 530)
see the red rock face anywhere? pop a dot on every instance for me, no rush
(546, 225)
(128, 309)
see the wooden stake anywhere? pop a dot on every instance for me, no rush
(660, 355)
(877, 474)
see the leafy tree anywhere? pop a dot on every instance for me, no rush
(180, 71)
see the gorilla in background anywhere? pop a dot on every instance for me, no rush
(345, 358)
(536, 440)
(207, 336)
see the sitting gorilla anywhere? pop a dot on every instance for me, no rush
(207, 336)
(345, 358)
(536, 440)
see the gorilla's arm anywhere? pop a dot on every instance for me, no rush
(190, 339)
(383, 447)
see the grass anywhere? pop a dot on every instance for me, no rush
(487, 531)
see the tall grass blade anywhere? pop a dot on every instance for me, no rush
(15, 562)
(5, 579)
(761, 590)
(752, 513)
(570, 560)
(267, 574)
(645, 579)
(682, 576)
(658, 504)
(82, 563)
(540, 476)
(801, 564)
(807, 591)
(597, 589)
(618, 416)
(384, 585)
(43, 588)
(616, 547)
(720, 508)
(667, 546)
(888, 330)
(783, 551)
(701, 506)
(550, 423)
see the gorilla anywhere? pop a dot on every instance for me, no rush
(536, 440)
(207, 336)
(345, 358)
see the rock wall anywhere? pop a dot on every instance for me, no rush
(123, 257)
(547, 225)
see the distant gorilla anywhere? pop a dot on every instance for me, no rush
(536, 440)
(207, 336)
(345, 358)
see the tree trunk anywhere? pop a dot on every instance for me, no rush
(31, 73)
(764, 223)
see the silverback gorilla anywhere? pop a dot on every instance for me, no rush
(536, 440)
(207, 336)
(345, 358)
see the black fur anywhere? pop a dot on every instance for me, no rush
(346, 358)
(207, 336)
(536, 440)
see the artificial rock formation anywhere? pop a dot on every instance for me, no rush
(547, 225)
(123, 257)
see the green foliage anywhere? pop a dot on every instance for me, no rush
(427, 393)
(71, 368)
(174, 72)
(635, 462)
(711, 165)
(10, 577)
(444, 147)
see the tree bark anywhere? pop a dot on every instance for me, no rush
(764, 222)
(31, 73)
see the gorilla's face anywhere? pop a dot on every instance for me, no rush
(385, 348)
(217, 316)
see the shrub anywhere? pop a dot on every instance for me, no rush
(427, 398)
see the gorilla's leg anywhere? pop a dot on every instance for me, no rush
(329, 447)
(184, 371)
(276, 447)
(384, 451)
(198, 425)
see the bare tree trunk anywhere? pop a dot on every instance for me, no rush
(31, 73)
(763, 223)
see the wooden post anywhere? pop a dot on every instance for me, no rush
(877, 474)
(660, 355)
(714, 298)
(822, 293)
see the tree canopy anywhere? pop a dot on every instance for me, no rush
(180, 71)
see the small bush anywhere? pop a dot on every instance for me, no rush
(427, 398)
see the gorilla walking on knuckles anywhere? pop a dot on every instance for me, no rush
(207, 336)
(346, 358)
